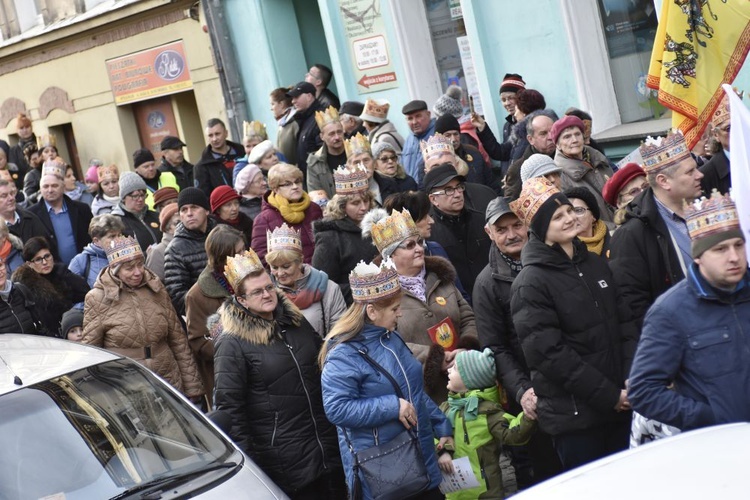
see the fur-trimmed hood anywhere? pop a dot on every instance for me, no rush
(238, 321)
(444, 270)
(47, 289)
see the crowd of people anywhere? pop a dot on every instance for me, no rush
(347, 286)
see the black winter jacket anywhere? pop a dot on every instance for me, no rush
(244, 225)
(566, 314)
(479, 171)
(185, 178)
(308, 137)
(80, 218)
(145, 230)
(716, 174)
(184, 259)
(52, 293)
(28, 226)
(464, 240)
(495, 324)
(268, 380)
(338, 249)
(642, 257)
(210, 173)
(17, 314)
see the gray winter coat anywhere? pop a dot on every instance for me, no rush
(386, 132)
(577, 173)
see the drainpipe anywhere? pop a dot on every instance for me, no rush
(226, 65)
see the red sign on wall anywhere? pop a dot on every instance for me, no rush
(149, 73)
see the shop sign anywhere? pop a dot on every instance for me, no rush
(365, 32)
(150, 73)
(455, 7)
(470, 73)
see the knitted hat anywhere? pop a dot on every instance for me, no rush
(129, 182)
(193, 196)
(537, 203)
(450, 102)
(141, 156)
(614, 184)
(165, 215)
(221, 196)
(563, 123)
(246, 176)
(91, 174)
(164, 194)
(260, 151)
(477, 369)
(582, 193)
(379, 147)
(512, 82)
(711, 221)
(538, 165)
(70, 319)
(445, 123)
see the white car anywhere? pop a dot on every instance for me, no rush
(78, 422)
(700, 464)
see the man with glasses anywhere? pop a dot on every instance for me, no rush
(67, 221)
(139, 221)
(458, 228)
(308, 138)
(320, 76)
(185, 256)
(20, 222)
(716, 174)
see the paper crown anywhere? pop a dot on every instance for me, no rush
(371, 283)
(123, 249)
(108, 172)
(323, 118)
(721, 115)
(53, 167)
(435, 146)
(284, 238)
(240, 266)
(662, 152)
(534, 193)
(250, 129)
(351, 180)
(708, 216)
(356, 145)
(393, 229)
(46, 140)
(376, 110)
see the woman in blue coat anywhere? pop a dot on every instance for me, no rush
(361, 401)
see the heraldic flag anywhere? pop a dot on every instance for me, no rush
(699, 45)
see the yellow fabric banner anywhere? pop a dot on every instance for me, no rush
(699, 45)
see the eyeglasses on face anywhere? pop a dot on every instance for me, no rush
(389, 158)
(256, 294)
(138, 195)
(411, 244)
(450, 191)
(291, 183)
(580, 210)
(42, 258)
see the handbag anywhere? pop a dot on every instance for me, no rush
(392, 470)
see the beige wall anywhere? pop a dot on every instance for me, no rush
(102, 129)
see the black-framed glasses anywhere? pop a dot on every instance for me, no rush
(138, 195)
(42, 258)
(291, 183)
(411, 244)
(580, 210)
(450, 191)
(389, 158)
(256, 294)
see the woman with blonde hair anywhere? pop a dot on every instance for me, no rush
(319, 298)
(286, 202)
(338, 238)
(360, 356)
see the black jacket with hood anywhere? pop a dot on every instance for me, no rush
(210, 173)
(565, 312)
(267, 378)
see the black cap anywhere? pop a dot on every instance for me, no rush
(440, 176)
(413, 107)
(496, 209)
(193, 196)
(171, 142)
(353, 108)
(445, 123)
(141, 156)
(302, 88)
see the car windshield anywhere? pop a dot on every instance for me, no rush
(99, 431)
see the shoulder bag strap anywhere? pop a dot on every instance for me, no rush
(382, 370)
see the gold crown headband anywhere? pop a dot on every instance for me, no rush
(371, 283)
(534, 193)
(284, 238)
(356, 145)
(240, 266)
(351, 180)
(662, 152)
(394, 229)
(254, 128)
(323, 118)
(708, 216)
